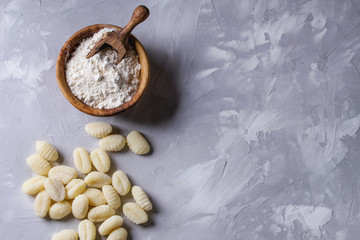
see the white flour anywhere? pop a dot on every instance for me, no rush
(98, 81)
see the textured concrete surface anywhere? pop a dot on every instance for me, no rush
(252, 112)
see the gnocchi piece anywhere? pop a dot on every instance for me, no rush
(55, 189)
(42, 204)
(137, 143)
(46, 150)
(74, 188)
(66, 234)
(86, 230)
(80, 206)
(100, 160)
(110, 224)
(82, 160)
(63, 173)
(60, 210)
(97, 179)
(121, 182)
(135, 213)
(38, 164)
(111, 196)
(118, 234)
(33, 185)
(100, 213)
(112, 143)
(141, 198)
(96, 197)
(98, 129)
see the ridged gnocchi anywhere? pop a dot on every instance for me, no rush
(33, 185)
(42, 204)
(100, 160)
(98, 129)
(118, 234)
(38, 164)
(66, 234)
(59, 210)
(74, 188)
(82, 160)
(135, 213)
(63, 173)
(46, 150)
(114, 142)
(96, 197)
(110, 224)
(86, 230)
(111, 196)
(100, 213)
(55, 189)
(80, 206)
(137, 143)
(97, 179)
(55, 184)
(141, 198)
(121, 182)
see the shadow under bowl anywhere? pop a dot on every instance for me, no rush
(65, 54)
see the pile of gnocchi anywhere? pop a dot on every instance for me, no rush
(59, 191)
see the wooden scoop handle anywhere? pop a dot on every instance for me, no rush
(119, 40)
(140, 14)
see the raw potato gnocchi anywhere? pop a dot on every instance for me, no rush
(67, 234)
(46, 150)
(141, 198)
(100, 213)
(60, 210)
(110, 224)
(111, 143)
(137, 143)
(98, 129)
(121, 182)
(86, 230)
(63, 173)
(38, 164)
(33, 185)
(74, 188)
(135, 213)
(55, 189)
(97, 179)
(98, 206)
(100, 160)
(80, 206)
(96, 197)
(82, 160)
(118, 234)
(42, 204)
(111, 196)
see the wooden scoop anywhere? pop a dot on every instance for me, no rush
(119, 40)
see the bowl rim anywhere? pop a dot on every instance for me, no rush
(64, 55)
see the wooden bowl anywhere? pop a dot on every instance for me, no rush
(65, 53)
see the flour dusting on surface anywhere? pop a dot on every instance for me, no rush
(98, 81)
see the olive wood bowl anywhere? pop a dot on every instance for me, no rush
(69, 47)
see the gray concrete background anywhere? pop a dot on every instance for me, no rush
(252, 113)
